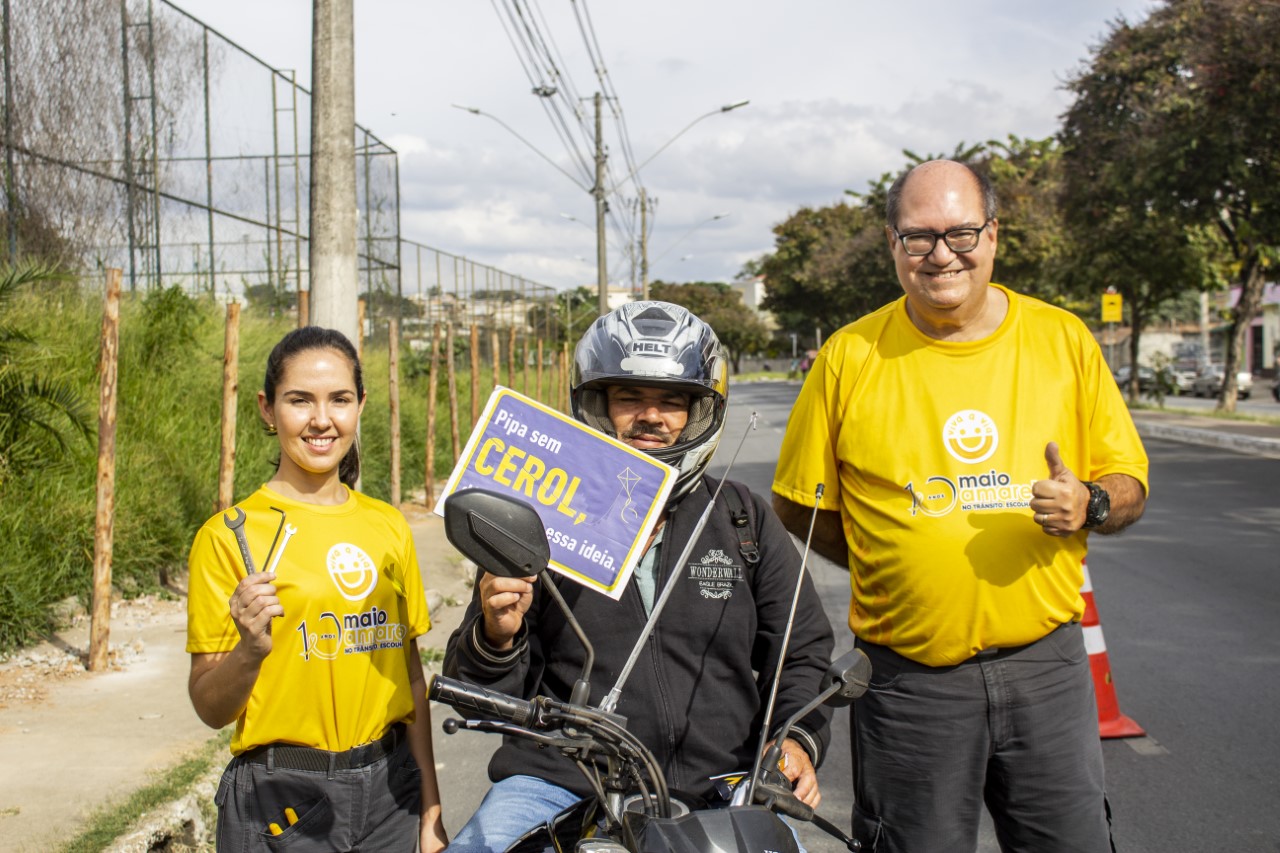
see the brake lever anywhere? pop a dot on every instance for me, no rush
(452, 725)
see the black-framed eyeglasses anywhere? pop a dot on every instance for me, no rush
(958, 240)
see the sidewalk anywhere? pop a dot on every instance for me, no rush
(1251, 437)
(75, 741)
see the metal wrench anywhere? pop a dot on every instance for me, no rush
(237, 527)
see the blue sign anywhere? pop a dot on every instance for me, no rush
(598, 498)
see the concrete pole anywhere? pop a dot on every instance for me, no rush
(602, 267)
(334, 280)
(644, 245)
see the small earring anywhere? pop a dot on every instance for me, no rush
(271, 429)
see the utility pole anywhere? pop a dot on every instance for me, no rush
(10, 195)
(644, 245)
(602, 269)
(335, 282)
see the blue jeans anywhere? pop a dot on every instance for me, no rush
(511, 808)
(516, 805)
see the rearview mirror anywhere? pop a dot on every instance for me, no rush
(499, 533)
(852, 672)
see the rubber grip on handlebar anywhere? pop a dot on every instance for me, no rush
(479, 701)
(783, 800)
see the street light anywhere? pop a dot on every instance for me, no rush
(726, 108)
(644, 199)
(686, 234)
(574, 219)
(531, 146)
(597, 191)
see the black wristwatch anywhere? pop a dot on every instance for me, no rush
(1099, 506)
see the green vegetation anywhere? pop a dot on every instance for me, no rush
(37, 410)
(167, 441)
(171, 784)
(1161, 183)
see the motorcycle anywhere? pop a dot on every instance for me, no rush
(632, 810)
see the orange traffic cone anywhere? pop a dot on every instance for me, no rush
(1111, 723)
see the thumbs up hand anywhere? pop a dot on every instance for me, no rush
(1061, 502)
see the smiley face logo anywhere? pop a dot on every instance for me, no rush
(970, 436)
(353, 572)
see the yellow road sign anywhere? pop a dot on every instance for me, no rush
(1111, 307)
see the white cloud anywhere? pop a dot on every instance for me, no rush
(837, 90)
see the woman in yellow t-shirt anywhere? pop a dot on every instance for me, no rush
(314, 655)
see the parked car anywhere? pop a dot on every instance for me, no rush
(1208, 382)
(1181, 379)
(1146, 377)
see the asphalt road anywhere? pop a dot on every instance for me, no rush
(1188, 600)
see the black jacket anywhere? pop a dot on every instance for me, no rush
(697, 695)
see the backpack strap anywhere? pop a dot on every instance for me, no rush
(742, 513)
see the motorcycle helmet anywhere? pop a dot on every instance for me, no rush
(663, 345)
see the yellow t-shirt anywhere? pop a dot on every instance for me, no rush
(929, 449)
(348, 579)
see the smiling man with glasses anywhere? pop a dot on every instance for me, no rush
(969, 439)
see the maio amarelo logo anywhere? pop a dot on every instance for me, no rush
(970, 436)
(352, 570)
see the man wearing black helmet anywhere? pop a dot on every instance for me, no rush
(654, 376)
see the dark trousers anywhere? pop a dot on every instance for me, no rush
(1016, 729)
(374, 806)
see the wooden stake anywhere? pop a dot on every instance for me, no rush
(495, 356)
(304, 308)
(453, 394)
(556, 387)
(563, 402)
(524, 359)
(511, 357)
(538, 395)
(475, 373)
(103, 528)
(393, 393)
(433, 384)
(230, 387)
(359, 341)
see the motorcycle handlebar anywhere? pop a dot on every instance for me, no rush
(486, 703)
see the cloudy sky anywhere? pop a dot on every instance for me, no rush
(837, 90)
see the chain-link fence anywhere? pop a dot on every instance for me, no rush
(137, 137)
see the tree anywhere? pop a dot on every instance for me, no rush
(1027, 177)
(564, 319)
(36, 412)
(1169, 119)
(739, 329)
(830, 265)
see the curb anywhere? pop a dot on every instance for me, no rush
(181, 821)
(1248, 444)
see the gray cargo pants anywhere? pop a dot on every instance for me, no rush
(1014, 728)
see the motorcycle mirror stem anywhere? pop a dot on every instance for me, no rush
(782, 654)
(505, 537)
(845, 680)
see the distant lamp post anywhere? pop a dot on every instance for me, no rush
(597, 190)
(645, 204)
(683, 236)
